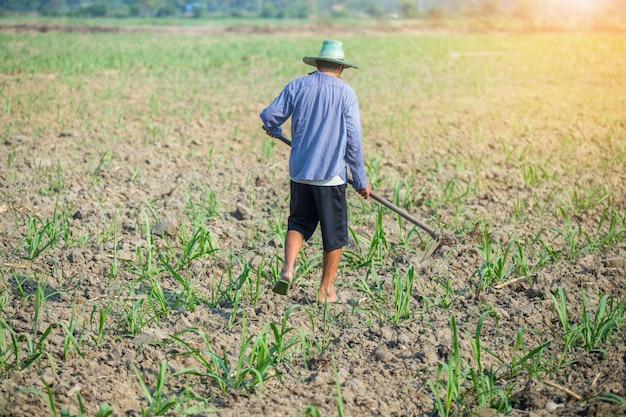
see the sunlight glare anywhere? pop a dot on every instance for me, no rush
(580, 6)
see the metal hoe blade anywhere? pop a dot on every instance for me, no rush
(432, 248)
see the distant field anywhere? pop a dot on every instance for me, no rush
(143, 210)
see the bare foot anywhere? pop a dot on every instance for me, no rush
(339, 298)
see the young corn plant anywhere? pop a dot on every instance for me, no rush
(71, 331)
(379, 244)
(272, 270)
(158, 300)
(548, 253)
(258, 276)
(588, 199)
(485, 383)
(197, 246)
(284, 338)
(187, 296)
(11, 158)
(307, 264)
(9, 347)
(109, 226)
(203, 210)
(531, 362)
(519, 261)
(158, 403)
(310, 411)
(611, 230)
(54, 182)
(105, 159)
(328, 322)
(607, 320)
(406, 198)
(355, 257)
(571, 332)
(530, 175)
(100, 330)
(374, 292)
(19, 351)
(48, 397)
(576, 240)
(495, 266)
(403, 294)
(40, 235)
(446, 387)
(340, 405)
(39, 305)
(178, 260)
(262, 359)
(373, 170)
(134, 315)
(444, 295)
(611, 397)
(255, 363)
(210, 364)
(376, 250)
(519, 209)
(237, 298)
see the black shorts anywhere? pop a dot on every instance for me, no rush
(311, 204)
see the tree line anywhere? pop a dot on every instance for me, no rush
(302, 9)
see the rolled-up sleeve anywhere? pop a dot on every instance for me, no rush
(274, 115)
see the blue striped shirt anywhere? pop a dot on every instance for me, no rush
(325, 128)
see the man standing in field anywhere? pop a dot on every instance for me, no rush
(326, 140)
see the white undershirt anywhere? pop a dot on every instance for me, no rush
(329, 182)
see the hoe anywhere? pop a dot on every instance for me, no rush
(435, 235)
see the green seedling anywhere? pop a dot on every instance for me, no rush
(340, 405)
(495, 266)
(40, 235)
(134, 314)
(530, 362)
(445, 293)
(103, 314)
(575, 238)
(451, 384)
(251, 368)
(48, 397)
(71, 330)
(486, 382)
(606, 321)
(310, 411)
(158, 405)
(571, 332)
(403, 295)
(104, 410)
(55, 182)
(105, 159)
(611, 397)
(376, 296)
(11, 158)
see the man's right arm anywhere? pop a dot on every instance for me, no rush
(274, 115)
(354, 150)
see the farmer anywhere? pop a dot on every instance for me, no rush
(326, 140)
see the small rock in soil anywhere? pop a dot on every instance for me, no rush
(242, 212)
(165, 227)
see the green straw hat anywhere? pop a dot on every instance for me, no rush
(332, 51)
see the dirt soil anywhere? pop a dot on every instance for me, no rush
(382, 369)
